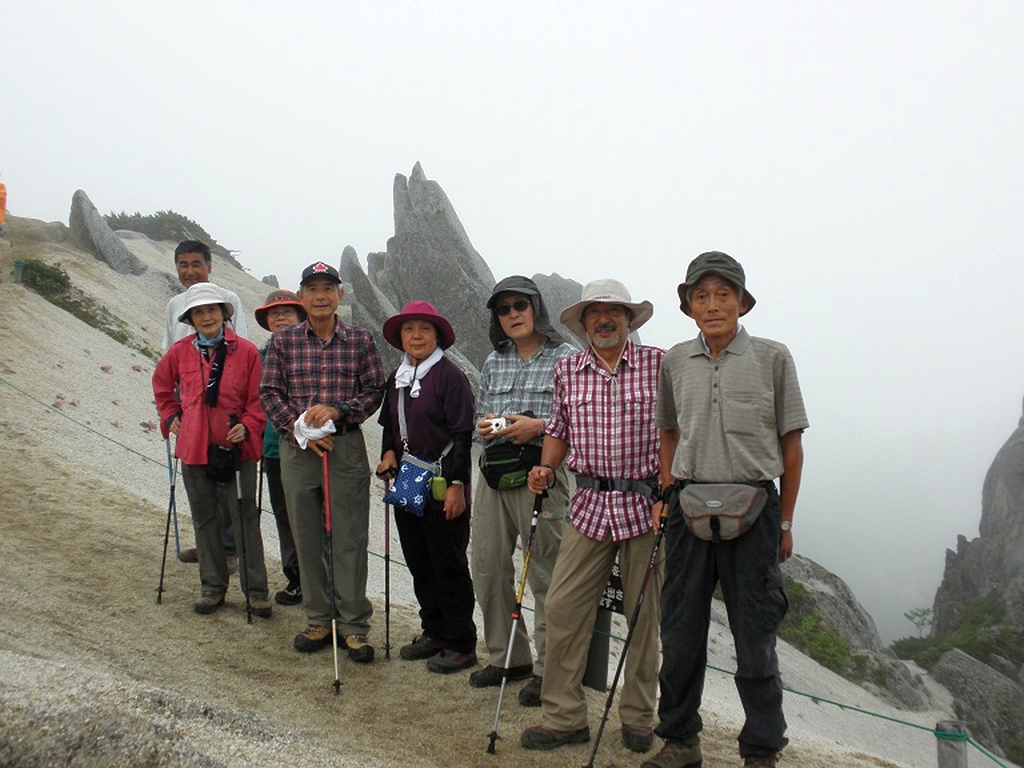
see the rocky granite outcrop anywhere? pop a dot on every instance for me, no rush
(430, 257)
(993, 563)
(831, 600)
(990, 703)
(90, 232)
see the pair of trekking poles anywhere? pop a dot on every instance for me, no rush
(517, 612)
(172, 514)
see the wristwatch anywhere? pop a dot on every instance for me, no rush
(786, 525)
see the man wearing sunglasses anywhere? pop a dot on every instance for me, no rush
(516, 384)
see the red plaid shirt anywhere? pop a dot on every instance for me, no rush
(300, 370)
(608, 421)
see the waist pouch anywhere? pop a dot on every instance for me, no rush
(220, 463)
(721, 511)
(505, 466)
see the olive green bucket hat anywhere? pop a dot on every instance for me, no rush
(718, 263)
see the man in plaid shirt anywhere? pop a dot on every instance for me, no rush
(603, 408)
(326, 371)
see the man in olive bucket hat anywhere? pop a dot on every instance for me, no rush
(516, 384)
(282, 309)
(602, 406)
(731, 417)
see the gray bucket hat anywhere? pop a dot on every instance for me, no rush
(606, 291)
(718, 263)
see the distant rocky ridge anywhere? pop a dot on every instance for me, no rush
(430, 257)
(993, 563)
(989, 693)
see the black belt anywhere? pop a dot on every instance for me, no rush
(343, 428)
(647, 486)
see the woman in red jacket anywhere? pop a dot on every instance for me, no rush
(207, 392)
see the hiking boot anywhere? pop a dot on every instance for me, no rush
(312, 638)
(678, 753)
(539, 737)
(451, 661)
(490, 676)
(529, 696)
(190, 555)
(359, 649)
(207, 604)
(761, 761)
(261, 607)
(232, 562)
(423, 647)
(637, 739)
(290, 595)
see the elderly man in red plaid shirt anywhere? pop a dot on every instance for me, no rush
(603, 409)
(321, 371)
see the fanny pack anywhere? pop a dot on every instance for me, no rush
(505, 466)
(721, 511)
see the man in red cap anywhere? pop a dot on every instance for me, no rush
(321, 380)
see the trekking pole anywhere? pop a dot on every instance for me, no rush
(243, 561)
(167, 527)
(517, 614)
(329, 531)
(625, 645)
(259, 492)
(387, 581)
(172, 475)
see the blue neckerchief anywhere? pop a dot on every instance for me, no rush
(203, 341)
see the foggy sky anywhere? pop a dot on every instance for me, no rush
(863, 161)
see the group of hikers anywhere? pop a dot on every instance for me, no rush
(586, 456)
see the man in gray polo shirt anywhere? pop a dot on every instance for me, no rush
(730, 412)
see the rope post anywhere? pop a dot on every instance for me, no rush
(951, 737)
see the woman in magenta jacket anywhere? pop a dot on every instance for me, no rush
(207, 392)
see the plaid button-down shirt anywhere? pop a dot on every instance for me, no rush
(509, 384)
(301, 370)
(608, 421)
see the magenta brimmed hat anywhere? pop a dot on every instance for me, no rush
(418, 310)
(281, 298)
(320, 269)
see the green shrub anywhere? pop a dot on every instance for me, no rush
(49, 281)
(52, 283)
(805, 630)
(164, 225)
(981, 631)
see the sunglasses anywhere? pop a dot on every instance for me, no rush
(519, 305)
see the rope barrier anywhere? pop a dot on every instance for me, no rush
(943, 735)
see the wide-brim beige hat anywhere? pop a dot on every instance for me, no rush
(200, 294)
(606, 291)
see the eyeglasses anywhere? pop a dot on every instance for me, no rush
(519, 305)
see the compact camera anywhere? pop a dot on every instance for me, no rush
(498, 423)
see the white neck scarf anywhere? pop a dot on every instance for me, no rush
(408, 373)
